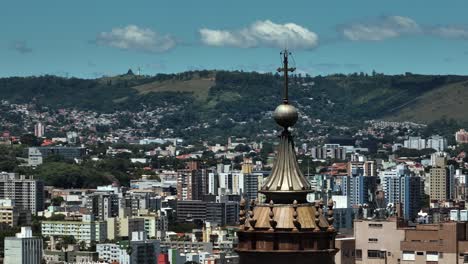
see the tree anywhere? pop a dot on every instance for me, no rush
(29, 140)
(242, 148)
(68, 240)
(56, 217)
(82, 246)
(57, 200)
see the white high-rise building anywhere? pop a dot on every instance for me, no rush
(26, 192)
(39, 130)
(415, 143)
(437, 142)
(23, 248)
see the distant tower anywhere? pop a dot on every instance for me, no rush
(286, 228)
(39, 130)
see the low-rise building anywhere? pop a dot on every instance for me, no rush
(346, 246)
(392, 241)
(13, 216)
(70, 255)
(86, 230)
(378, 242)
(436, 243)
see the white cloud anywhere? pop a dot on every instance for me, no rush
(455, 32)
(380, 28)
(262, 33)
(132, 37)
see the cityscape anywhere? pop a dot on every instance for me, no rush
(129, 154)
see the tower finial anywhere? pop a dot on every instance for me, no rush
(286, 115)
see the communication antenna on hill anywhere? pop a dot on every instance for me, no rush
(139, 71)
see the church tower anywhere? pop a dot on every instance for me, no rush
(286, 228)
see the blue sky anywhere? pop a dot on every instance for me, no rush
(90, 38)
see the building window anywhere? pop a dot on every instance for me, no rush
(358, 253)
(373, 240)
(375, 225)
(432, 256)
(409, 255)
(376, 254)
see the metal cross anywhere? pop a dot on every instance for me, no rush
(285, 53)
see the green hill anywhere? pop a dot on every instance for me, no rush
(449, 101)
(197, 86)
(227, 100)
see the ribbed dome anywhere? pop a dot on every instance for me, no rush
(286, 182)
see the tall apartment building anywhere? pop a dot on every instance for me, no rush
(252, 184)
(39, 130)
(213, 183)
(439, 188)
(403, 189)
(200, 183)
(437, 142)
(332, 151)
(192, 184)
(362, 189)
(461, 185)
(141, 200)
(461, 136)
(232, 181)
(24, 191)
(102, 205)
(439, 180)
(23, 248)
(365, 168)
(415, 143)
(184, 186)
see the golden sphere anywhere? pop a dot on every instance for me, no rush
(285, 115)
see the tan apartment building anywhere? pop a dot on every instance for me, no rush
(11, 215)
(390, 241)
(436, 243)
(438, 184)
(378, 242)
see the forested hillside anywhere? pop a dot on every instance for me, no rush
(221, 97)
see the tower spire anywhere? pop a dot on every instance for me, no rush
(285, 228)
(286, 182)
